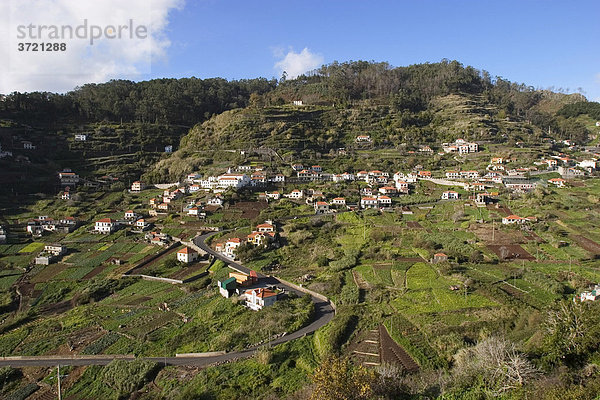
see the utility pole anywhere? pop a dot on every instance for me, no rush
(58, 381)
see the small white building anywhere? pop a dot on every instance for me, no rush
(187, 255)
(384, 201)
(368, 202)
(258, 298)
(363, 138)
(321, 207)
(80, 137)
(138, 186)
(142, 224)
(450, 195)
(55, 249)
(130, 214)
(296, 194)
(558, 182)
(339, 201)
(105, 225)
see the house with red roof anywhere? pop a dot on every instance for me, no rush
(321, 207)
(339, 201)
(105, 225)
(187, 255)
(258, 298)
(558, 182)
(450, 195)
(368, 202)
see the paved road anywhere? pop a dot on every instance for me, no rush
(324, 312)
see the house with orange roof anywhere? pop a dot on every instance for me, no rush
(231, 246)
(515, 219)
(321, 207)
(558, 182)
(265, 227)
(339, 201)
(388, 190)
(187, 255)
(130, 214)
(258, 298)
(439, 257)
(450, 195)
(368, 202)
(384, 201)
(105, 225)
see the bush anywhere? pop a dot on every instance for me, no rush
(125, 377)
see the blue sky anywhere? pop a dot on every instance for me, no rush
(540, 43)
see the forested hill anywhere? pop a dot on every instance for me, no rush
(418, 104)
(131, 122)
(184, 101)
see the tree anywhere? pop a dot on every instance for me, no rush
(494, 362)
(336, 379)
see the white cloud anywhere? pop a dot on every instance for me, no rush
(295, 64)
(125, 57)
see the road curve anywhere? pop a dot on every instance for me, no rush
(324, 312)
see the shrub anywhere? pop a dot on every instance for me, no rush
(128, 376)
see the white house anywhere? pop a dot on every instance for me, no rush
(368, 202)
(587, 164)
(231, 246)
(296, 194)
(339, 201)
(384, 201)
(105, 225)
(515, 219)
(265, 227)
(80, 138)
(452, 174)
(321, 207)
(388, 190)
(278, 178)
(258, 298)
(363, 138)
(273, 195)
(55, 249)
(187, 255)
(142, 223)
(194, 211)
(130, 214)
(558, 182)
(138, 186)
(215, 201)
(235, 181)
(450, 195)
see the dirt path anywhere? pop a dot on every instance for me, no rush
(360, 281)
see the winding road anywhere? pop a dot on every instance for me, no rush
(324, 312)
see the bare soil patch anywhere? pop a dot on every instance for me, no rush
(485, 233)
(94, 272)
(513, 252)
(250, 209)
(587, 244)
(502, 210)
(188, 271)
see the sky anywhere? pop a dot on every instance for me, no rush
(544, 44)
